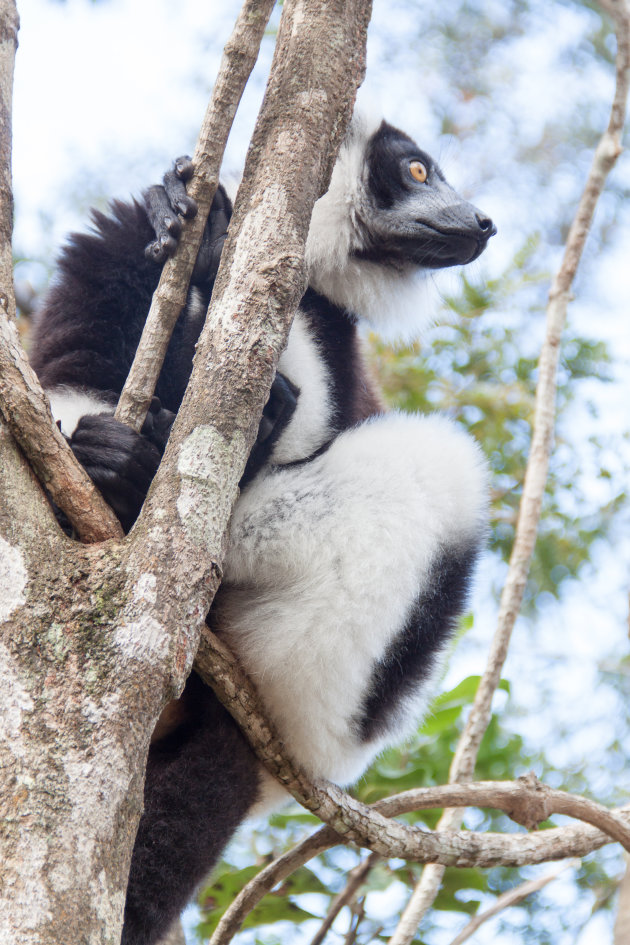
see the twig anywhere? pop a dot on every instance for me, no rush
(25, 408)
(356, 878)
(511, 898)
(463, 765)
(239, 58)
(356, 918)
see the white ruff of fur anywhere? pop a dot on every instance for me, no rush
(392, 301)
(302, 363)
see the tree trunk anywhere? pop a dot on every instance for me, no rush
(95, 639)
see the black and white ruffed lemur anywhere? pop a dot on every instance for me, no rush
(352, 543)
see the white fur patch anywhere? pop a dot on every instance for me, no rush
(68, 406)
(13, 579)
(309, 427)
(331, 556)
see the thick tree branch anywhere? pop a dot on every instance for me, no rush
(557, 843)
(239, 57)
(463, 764)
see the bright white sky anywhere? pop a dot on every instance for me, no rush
(107, 94)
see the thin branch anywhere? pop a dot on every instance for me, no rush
(576, 840)
(356, 918)
(464, 760)
(511, 898)
(22, 401)
(621, 931)
(356, 878)
(25, 408)
(239, 57)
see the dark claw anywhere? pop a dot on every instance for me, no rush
(186, 206)
(173, 225)
(175, 189)
(167, 203)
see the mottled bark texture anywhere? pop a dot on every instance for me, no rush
(95, 639)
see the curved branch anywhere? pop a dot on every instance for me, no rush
(527, 800)
(576, 840)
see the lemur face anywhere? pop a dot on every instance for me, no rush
(407, 212)
(387, 220)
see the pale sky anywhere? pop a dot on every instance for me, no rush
(120, 87)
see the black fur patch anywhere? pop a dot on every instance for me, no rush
(201, 781)
(412, 654)
(336, 334)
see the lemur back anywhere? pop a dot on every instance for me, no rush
(353, 541)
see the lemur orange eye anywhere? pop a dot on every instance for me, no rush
(418, 171)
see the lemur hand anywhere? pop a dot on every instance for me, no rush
(121, 462)
(166, 203)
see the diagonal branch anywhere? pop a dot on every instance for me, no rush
(24, 406)
(527, 801)
(463, 764)
(238, 60)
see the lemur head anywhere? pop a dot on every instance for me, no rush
(388, 216)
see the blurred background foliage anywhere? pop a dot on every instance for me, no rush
(512, 97)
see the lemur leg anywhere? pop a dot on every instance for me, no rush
(200, 783)
(343, 580)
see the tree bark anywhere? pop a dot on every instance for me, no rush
(95, 639)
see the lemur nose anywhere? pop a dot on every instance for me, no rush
(485, 225)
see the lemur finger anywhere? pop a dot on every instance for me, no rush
(158, 423)
(164, 221)
(176, 191)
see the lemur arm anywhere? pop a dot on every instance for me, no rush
(89, 327)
